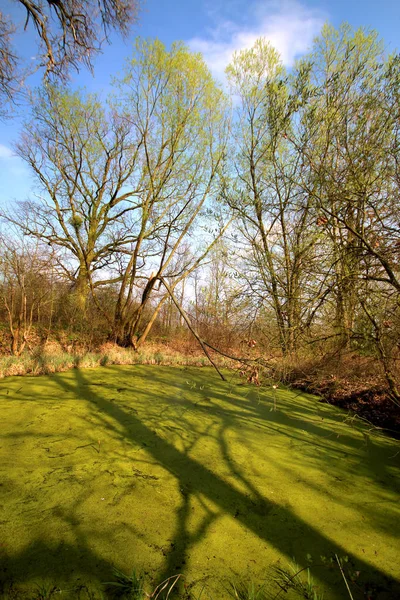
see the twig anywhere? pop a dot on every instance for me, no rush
(344, 577)
(161, 587)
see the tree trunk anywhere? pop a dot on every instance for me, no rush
(81, 288)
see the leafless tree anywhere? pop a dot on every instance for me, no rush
(69, 34)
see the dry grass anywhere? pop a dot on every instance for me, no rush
(52, 359)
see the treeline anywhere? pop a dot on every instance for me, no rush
(271, 214)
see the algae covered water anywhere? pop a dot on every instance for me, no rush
(168, 470)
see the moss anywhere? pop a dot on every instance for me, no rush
(170, 470)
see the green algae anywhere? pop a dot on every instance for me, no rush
(170, 470)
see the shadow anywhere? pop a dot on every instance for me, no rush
(44, 561)
(170, 437)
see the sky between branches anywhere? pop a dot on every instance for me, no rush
(214, 27)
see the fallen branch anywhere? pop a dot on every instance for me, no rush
(191, 328)
(247, 361)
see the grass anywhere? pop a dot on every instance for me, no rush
(248, 591)
(299, 579)
(43, 591)
(46, 362)
(130, 586)
(133, 587)
(176, 472)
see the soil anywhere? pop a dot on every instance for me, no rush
(373, 404)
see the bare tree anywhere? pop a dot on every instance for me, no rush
(120, 189)
(8, 63)
(69, 33)
(180, 115)
(351, 154)
(277, 232)
(24, 288)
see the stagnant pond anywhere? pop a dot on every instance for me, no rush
(170, 470)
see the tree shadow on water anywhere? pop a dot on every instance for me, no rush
(260, 516)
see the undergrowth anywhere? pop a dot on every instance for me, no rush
(44, 363)
(135, 587)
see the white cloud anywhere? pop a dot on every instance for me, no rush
(290, 27)
(6, 153)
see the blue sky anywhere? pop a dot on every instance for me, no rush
(215, 27)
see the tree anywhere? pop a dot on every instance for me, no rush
(276, 215)
(350, 147)
(354, 157)
(84, 159)
(69, 34)
(25, 287)
(180, 115)
(342, 149)
(121, 187)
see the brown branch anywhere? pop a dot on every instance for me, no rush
(191, 328)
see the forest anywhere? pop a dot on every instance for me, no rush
(179, 222)
(269, 212)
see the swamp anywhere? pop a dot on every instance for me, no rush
(169, 471)
(199, 300)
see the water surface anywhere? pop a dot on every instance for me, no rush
(170, 470)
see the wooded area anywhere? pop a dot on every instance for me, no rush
(271, 212)
(179, 222)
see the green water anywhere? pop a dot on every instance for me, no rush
(171, 470)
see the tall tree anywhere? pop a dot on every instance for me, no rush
(121, 187)
(351, 151)
(180, 114)
(84, 159)
(275, 214)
